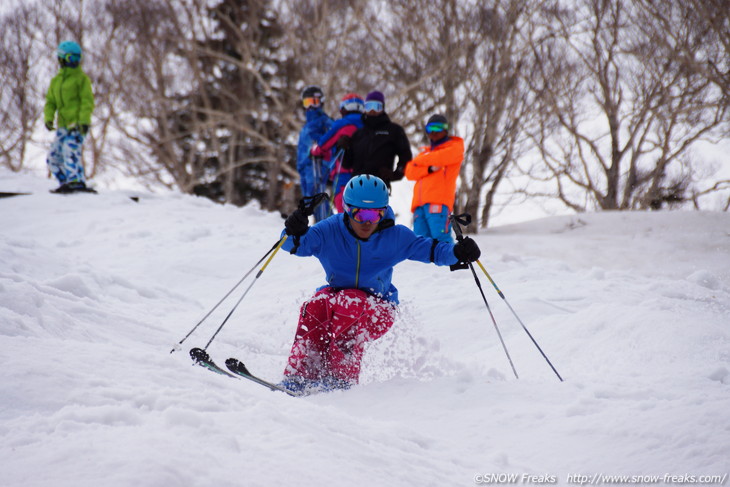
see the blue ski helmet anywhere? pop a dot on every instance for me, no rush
(366, 191)
(69, 52)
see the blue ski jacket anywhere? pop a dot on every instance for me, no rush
(354, 118)
(316, 125)
(353, 263)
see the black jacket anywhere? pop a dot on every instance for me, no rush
(374, 147)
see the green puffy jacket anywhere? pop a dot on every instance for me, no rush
(70, 95)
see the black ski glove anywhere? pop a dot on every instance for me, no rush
(49, 126)
(297, 224)
(84, 129)
(467, 250)
(344, 142)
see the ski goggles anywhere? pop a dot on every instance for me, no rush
(351, 105)
(311, 102)
(70, 59)
(434, 127)
(374, 106)
(366, 215)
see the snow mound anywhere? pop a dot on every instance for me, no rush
(95, 290)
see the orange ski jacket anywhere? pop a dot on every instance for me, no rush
(439, 185)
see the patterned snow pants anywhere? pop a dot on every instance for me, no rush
(334, 326)
(64, 158)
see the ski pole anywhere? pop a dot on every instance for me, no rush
(306, 205)
(258, 274)
(518, 319)
(340, 154)
(465, 219)
(177, 347)
(324, 212)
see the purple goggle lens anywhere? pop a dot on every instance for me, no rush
(367, 215)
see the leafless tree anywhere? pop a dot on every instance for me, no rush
(619, 117)
(598, 102)
(697, 32)
(20, 98)
(500, 101)
(465, 60)
(326, 38)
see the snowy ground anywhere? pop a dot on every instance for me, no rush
(633, 309)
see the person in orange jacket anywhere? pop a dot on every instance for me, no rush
(435, 171)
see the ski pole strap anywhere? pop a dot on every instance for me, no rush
(434, 243)
(458, 266)
(308, 204)
(294, 249)
(457, 221)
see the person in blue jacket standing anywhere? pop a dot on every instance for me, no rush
(312, 177)
(358, 250)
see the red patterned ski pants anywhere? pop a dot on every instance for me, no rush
(334, 327)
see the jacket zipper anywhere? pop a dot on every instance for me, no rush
(420, 192)
(60, 88)
(357, 269)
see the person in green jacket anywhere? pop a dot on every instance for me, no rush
(69, 102)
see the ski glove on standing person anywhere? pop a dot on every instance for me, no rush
(435, 170)
(70, 103)
(358, 250)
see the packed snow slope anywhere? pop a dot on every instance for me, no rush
(632, 309)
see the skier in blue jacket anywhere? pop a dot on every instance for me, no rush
(331, 146)
(358, 250)
(312, 177)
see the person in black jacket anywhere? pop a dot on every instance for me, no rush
(373, 148)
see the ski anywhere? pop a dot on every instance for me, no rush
(238, 368)
(202, 358)
(72, 191)
(9, 194)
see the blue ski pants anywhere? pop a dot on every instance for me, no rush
(432, 220)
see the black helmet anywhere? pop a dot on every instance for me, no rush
(437, 118)
(313, 91)
(436, 123)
